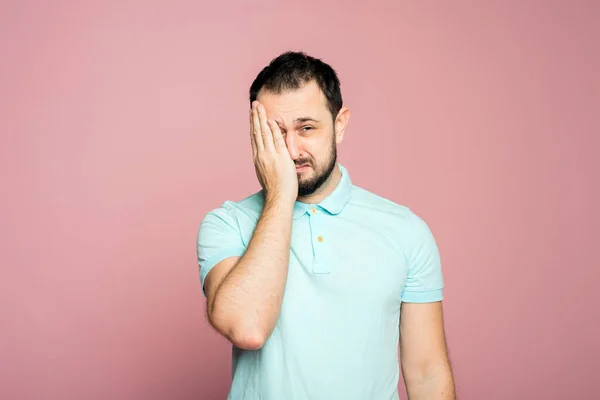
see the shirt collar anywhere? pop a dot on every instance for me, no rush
(335, 202)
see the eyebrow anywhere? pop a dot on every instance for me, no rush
(299, 120)
(305, 119)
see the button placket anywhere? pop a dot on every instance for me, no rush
(318, 241)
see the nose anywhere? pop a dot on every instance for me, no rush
(291, 142)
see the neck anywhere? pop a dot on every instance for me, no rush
(325, 190)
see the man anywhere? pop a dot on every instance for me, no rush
(308, 278)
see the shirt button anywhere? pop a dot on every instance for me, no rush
(313, 211)
(320, 239)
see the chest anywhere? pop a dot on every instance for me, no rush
(347, 262)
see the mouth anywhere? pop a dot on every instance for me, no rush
(300, 168)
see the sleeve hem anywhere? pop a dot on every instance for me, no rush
(428, 296)
(215, 259)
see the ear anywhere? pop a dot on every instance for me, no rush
(340, 124)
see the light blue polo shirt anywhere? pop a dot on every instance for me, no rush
(354, 258)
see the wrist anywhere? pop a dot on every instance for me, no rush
(279, 202)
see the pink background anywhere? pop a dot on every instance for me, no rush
(122, 123)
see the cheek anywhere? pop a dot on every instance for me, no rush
(317, 147)
(321, 151)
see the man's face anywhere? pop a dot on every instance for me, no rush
(308, 129)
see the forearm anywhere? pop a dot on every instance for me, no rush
(248, 301)
(433, 384)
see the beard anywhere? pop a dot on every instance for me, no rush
(310, 185)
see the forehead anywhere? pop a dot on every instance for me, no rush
(306, 101)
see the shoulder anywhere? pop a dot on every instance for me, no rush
(379, 205)
(240, 212)
(250, 205)
(387, 214)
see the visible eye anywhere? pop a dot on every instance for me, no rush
(307, 128)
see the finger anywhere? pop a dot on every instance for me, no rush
(256, 131)
(252, 141)
(267, 135)
(278, 139)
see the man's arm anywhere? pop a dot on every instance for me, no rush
(424, 356)
(244, 294)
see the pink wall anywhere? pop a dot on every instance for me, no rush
(123, 123)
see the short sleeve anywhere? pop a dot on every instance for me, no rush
(424, 281)
(218, 238)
